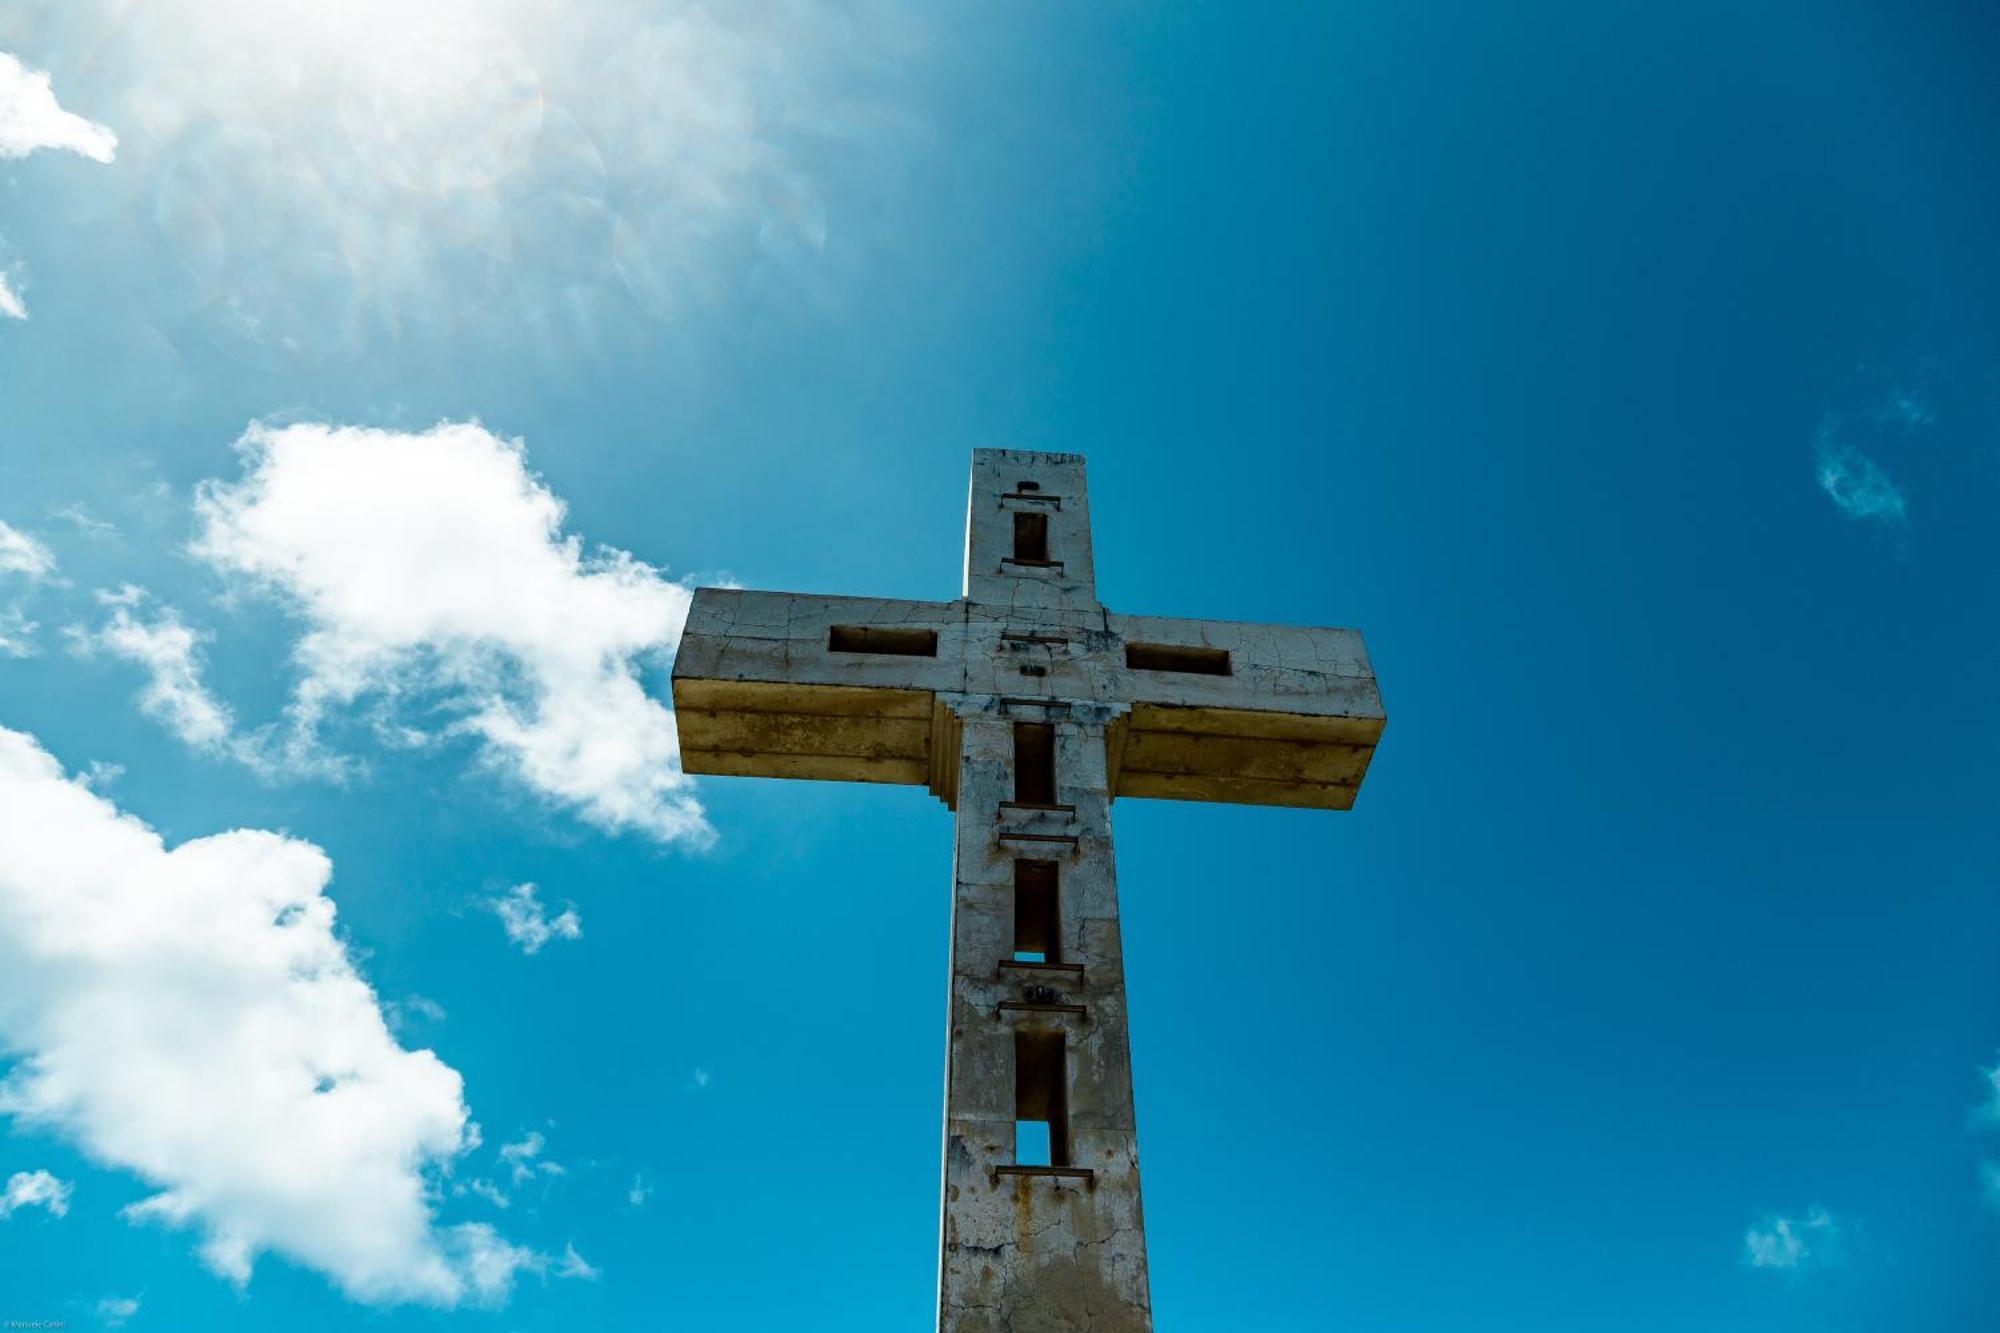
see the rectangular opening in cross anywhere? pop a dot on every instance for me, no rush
(893, 641)
(1041, 1100)
(1031, 1143)
(1179, 657)
(1031, 538)
(1035, 763)
(1036, 923)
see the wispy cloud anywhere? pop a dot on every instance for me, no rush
(490, 1192)
(520, 1162)
(401, 1013)
(1788, 1244)
(24, 562)
(31, 119)
(78, 516)
(1858, 486)
(574, 1265)
(524, 1159)
(34, 1189)
(1848, 448)
(189, 1014)
(117, 1311)
(1986, 1117)
(17, 633)
(24, 555)
(488, 1261)
(527, 922)
(170, 652)
(434, 567)
(1906, 409)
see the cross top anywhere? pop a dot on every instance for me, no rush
(1027, 532)
(1028, 707)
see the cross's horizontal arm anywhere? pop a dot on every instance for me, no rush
(787, 685)
(1223, 710)
(847, 688)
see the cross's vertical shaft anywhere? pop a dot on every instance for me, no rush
(1041, 1225)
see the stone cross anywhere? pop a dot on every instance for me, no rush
(1027, 708)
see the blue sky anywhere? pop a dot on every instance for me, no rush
(379, 385)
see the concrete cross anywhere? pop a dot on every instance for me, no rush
(1027, 707)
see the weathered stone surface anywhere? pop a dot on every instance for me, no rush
(1039, 1252)
(790, 685)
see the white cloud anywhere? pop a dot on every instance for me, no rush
(22, 554)
(189, 1015)
(640, 1191)
(11, 304)
(30, 117)
(116, 1310)
(527, 922)
(170, 652)
(34, 1189)
(433, 566)
(1789, 1244)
